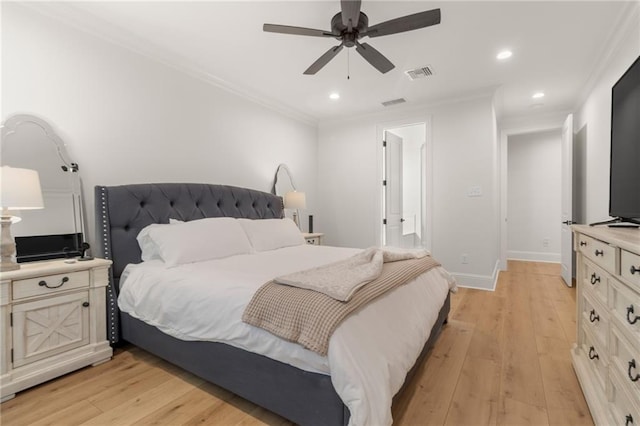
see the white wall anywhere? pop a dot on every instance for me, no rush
(129, 119)
(595, 114)
(464, 154)
(534, 173)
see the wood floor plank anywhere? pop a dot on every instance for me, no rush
(502, 359)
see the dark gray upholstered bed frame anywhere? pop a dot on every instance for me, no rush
(122, 211)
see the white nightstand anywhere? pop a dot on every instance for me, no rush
(53, 318)
(314, 238)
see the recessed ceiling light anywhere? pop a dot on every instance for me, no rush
(505, 54)
(538, 95)
(334, 96)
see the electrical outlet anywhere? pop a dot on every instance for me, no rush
(545, 242)
(464, 258)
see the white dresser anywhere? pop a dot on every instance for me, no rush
(606, 357)
(53, 321)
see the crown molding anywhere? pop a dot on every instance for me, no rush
(67, 13)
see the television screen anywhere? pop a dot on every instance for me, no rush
(624, 197)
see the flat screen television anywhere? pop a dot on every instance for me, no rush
(624, 178)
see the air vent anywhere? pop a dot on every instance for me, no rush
(394, 102)
(420, 72)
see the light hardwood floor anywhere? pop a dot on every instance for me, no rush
(503, 359)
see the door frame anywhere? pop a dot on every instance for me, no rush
(427, 216)
(551, 123)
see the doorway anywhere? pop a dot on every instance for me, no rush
(404, 197)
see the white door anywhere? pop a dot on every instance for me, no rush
(393, 190)
(566, 237)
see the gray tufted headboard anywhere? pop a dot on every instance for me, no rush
(122, 211)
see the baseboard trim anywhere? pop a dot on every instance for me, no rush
(479, 282)
(533, 256)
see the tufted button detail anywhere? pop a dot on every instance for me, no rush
(142, 203)
(126, 227)
(237, 203)
(171, 203)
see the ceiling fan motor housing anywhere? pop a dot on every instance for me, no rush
(349, 37)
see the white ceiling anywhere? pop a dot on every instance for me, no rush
(556, 47)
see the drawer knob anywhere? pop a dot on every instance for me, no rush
(631, 314)
(628, 420)
(599, 253)
(583, 243)
(632, 366)
(593, 317)
(594, 279)
(592, 353)
(633, 270)
(43, 283)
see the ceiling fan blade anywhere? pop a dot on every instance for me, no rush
(405, 23)
(374, 57)
(323, 60)
(350, 11)
(286, 29)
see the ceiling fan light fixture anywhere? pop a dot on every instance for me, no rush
(505, 54)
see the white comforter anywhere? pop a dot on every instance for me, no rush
(369, 354)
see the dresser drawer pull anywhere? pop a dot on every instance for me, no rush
(592, 353)
(583, 243)
(85, 304)
(630, 313)
(594, 279)
(593, 317)
(628, 420)
(632, 366)
(43, 283)
(599, 253)
(633, 270)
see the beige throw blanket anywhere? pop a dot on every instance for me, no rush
(341, 279)
(309, 317)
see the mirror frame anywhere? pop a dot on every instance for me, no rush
(51, 246)
(284, 169)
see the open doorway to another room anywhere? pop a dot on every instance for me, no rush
(404, 198)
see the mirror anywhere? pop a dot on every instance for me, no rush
(57, 230)
(283, 181)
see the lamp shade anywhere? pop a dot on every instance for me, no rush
(20, 189)
(295, 200)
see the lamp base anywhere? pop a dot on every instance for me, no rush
(295, 219)
(7, 246)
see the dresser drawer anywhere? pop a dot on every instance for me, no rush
(49, 284)
(625, 359)
(630, 267)
(625, 308)
(596, 281)
(596, 357)
(596, 318)
(623, 410)
(602, 254)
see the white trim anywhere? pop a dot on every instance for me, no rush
(479, 282)
(532, 256)
(99, 28)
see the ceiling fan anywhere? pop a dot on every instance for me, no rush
(350, 25)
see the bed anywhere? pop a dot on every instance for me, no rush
(305, 395)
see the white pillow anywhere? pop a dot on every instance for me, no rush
(198, 240)
(271, 234)
(148, 248)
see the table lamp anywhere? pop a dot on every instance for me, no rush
(295, 200)
(19, 190)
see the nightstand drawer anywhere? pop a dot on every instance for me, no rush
(314, 241)
(48, 284)
(602, 254)
(630, 267)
